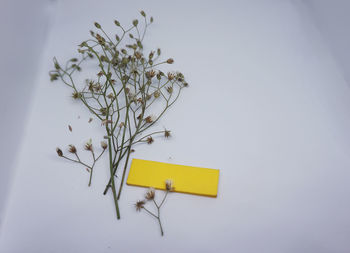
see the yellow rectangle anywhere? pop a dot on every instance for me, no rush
(187, 179)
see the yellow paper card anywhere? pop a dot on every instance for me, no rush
(187, 179)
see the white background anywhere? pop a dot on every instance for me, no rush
(267, 105)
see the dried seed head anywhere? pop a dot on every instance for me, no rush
(91, 119)
(139, 205)
(150, 140)
(116, 22)
(110, 95)
(150, 74)
(53, 77)
(150, 194)
(103, 144)
(167, 134)
(76, 95)
(103, 111)
(121, 124)
(88, 145)
(138, 55)
(100, 39)
(170, 89)
(59, 152)
(72, 149)
(170, 61)
(143, 13)
(135, 22)
(169, 185)
(156, 94)
(97, 87)
(171, 76)
(140, 100)
(150, 118)
(70, 128)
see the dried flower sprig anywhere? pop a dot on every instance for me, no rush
(128, 94)
(150, 197)
(88, 146)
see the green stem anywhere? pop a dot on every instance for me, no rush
(124, 170)
(114, 172)
(112, 177)
(160, 225)
(91, 170)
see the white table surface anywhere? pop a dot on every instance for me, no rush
(267, 106)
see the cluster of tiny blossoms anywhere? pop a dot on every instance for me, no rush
(150, 197)
(128, 93)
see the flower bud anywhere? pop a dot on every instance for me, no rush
(97, 25)
(103, 144)
(72, 149)
(59, 152)
(88, 145)
(170, 61)
(150, 140)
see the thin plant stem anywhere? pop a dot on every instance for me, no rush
(113, 183)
